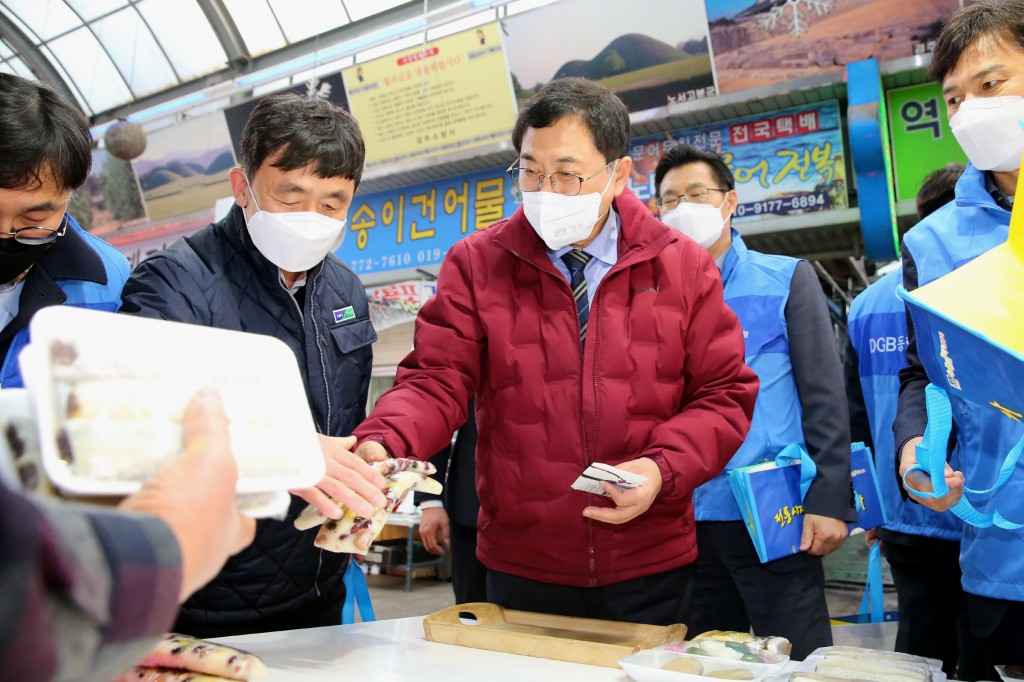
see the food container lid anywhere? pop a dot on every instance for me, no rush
(127, 381)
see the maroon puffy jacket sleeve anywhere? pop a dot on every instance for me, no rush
(440, 375)
(694, 446)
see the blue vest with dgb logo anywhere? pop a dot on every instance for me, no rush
(992, 559)
(878, 331)
(757, 289)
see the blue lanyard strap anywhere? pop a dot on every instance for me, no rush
(794, 452)
(931, 459)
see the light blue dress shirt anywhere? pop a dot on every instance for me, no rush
(605, 252)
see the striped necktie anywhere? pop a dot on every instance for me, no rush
(576, 260)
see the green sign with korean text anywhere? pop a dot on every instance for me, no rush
(921, 139)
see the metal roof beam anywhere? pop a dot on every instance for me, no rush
(226, 30)
(34, 58)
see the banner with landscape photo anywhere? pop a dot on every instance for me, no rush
(185, 167)
(762, 42)
(110, 199)
(650, 53)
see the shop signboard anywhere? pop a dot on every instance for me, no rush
(447, 94)
(921, 139)
(784, 162)
(415, 226)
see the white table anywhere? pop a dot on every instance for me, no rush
(395, 650)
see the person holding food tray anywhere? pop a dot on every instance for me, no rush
(268, 268)
(588, 333)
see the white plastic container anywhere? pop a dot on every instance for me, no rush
(646, 666)
(129, 379)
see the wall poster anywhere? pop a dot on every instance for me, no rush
(447, 94)
(763, 42)
(651, 53)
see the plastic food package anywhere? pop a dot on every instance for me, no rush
(109, 393)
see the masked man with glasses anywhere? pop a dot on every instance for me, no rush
(587, 333)
(790, 344)
(45, 257)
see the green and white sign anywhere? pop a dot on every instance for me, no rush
(921, 139)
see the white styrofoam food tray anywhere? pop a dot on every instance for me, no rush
(130, 379)
(645, 666)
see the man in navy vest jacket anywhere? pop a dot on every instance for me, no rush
(979, 60)
(790, 345)
(267, 268)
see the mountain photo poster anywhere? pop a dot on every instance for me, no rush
(185, 167)
(644, 51)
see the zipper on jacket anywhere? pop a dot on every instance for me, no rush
(320, 351)
(591, 550)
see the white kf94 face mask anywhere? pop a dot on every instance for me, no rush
(562, 220)
(700, 222)
(990, 130)
(296, 241)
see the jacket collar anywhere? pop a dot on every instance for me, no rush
(736, 254)
(70, 258)
(972, 190)
(641, 235)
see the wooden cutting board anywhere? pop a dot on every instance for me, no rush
(542, 635)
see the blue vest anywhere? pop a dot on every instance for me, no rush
(102, 294)
(992, 559)
(878, 331)
(757, 289)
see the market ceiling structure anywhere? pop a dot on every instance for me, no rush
(110, 55)
(135, 58)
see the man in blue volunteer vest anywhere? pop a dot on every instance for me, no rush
(790, 345)
(979, 60)
(45, 257)
(922, 546)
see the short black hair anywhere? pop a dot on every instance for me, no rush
(994, 18)
(684, 154)
(305, 130)
(594, 105)
(938, 189)
(41, 134)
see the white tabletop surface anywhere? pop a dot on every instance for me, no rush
(388, 650)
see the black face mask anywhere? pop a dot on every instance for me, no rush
(16, 258)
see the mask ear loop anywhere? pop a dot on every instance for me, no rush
(251, 193)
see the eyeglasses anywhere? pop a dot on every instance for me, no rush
(562, 182)
(35, 236)
(701, 197)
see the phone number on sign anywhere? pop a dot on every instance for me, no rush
(397, 260)
(799, 202)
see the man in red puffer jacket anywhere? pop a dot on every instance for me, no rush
(588, 332)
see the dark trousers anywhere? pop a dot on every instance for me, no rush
(659, 599)
(323, 612)
(932, 605)
(469, 576)
(998, 625)
(733, 590)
